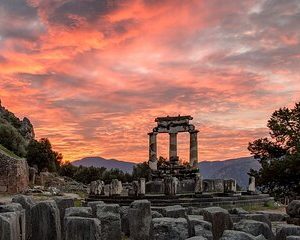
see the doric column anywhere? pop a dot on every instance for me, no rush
(194, 149)
(173, 145)
(152, 151)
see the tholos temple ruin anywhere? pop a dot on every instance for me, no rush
(173, 182)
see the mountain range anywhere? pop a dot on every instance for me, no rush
(231, 168)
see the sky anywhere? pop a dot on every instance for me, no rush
(92, 75)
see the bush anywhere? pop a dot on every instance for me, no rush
(11, 139)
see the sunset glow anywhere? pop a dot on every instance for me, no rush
(92, 75)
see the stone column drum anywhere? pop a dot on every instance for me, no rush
(173, 145)
(194, 149)
(152, 151)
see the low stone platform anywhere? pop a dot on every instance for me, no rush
(190, 200)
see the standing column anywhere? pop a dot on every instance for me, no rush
(173, 146)
(194, 149)
(152, 151)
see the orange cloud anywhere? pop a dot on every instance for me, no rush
(93, 75)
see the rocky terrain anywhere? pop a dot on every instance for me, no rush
(57, 219)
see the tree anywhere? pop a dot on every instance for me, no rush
(40, 153)
(279, 155)
(12, 139)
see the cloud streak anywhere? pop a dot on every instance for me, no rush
(93, 75)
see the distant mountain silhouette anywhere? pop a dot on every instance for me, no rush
(231, 168)
(107, 163)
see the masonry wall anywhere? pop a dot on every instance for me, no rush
(14, 175)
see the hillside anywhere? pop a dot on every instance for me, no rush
(231, 168)
(107, 163)
(8, 153)
(15, 134)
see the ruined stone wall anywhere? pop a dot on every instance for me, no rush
(14, 175)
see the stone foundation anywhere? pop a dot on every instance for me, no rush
(14, 177)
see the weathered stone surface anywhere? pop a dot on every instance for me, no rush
(45, 221)
(257, 217)
(109, 216)
(78, 228)
(171, 184)
(124, 220)
(14, 177)
(293, 238)
(274, 216)
(229, 186)
(8, 226)
(169, 229)
(140, 217)
(96, 187)
(94, 205)
(107, 190)
(20, 214)
(219, 218)
(63, 203)
(237, 211)
(79, 212)
(293, 209)
(175, 211)
(286, 230)
(254, 228)
(27, 203)
(197, 238)
(199, 227)
(116, 187)
(236, 235)
(251, 186)
(156, 214)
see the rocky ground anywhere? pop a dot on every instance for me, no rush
(56, 218)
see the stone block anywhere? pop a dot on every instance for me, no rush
(175, 211)
(9, 226)
(79, 212)
(156, 214)
(27, 203)
(63, 203)
(140, 217)
(94, 205)
(293, 238)
(220, 220)
(109, 215)
(199, 227)
(286, 230)
(116, 187)
(21, 219)
(45, 221)
(254, 228)
(125, 220)
(169, 229)
(293, 209)
(274, 216)
(257, 217)
(78, 228)
(236, 235)
(197, 238)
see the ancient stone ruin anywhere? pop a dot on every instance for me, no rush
(14, 177)
(173, 126)
(173, 182)
(58, 219)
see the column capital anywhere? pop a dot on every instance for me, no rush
(194, 131)
(152, 133)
